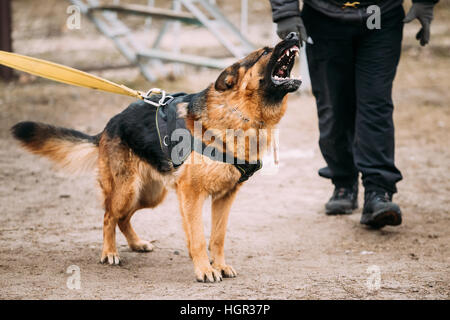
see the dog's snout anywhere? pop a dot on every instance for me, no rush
(292, 36)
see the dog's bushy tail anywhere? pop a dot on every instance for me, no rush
(70, 149)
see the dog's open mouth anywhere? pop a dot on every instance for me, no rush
(282, 70)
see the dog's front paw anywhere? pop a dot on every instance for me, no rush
(225, 270)
(110, 257)
(142, 246)
(207, 274)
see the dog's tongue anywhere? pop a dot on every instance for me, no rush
(280, 72)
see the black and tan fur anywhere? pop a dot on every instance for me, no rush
(130, 166)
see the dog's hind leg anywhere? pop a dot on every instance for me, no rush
(134, 242)
(121, 204)
(151, 194)
(219, 219)
(121, 201)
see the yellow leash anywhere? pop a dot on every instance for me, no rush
(64, 74)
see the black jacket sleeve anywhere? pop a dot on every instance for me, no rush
(284, 8)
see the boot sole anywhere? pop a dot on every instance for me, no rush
(384, 218)
(338, 211)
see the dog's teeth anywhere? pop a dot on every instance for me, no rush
(287, 53)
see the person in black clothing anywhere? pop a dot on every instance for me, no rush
(352, 64)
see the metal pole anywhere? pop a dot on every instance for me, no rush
(176, 29)
(244, 17)
(148, 21)
(5, 36)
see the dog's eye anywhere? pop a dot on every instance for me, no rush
(265, 52)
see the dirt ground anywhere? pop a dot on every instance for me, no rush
(279, 239)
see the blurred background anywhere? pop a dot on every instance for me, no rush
(280, 241)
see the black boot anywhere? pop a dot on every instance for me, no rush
(379, 210)
(343, 201)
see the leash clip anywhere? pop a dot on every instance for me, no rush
(162, 102)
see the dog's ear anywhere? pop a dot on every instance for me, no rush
(228, 78)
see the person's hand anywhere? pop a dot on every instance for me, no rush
(423, 12)
(292, 24)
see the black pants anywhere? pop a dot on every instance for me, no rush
(352, 69)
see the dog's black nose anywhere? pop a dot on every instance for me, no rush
(292, 36)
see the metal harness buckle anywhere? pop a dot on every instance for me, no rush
(165, 99)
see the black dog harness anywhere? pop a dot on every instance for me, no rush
(167, 122)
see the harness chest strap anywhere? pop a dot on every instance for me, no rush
(167, 122)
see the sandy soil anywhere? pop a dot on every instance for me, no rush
(279, 239)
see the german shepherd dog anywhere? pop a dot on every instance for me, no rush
(249, 95)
